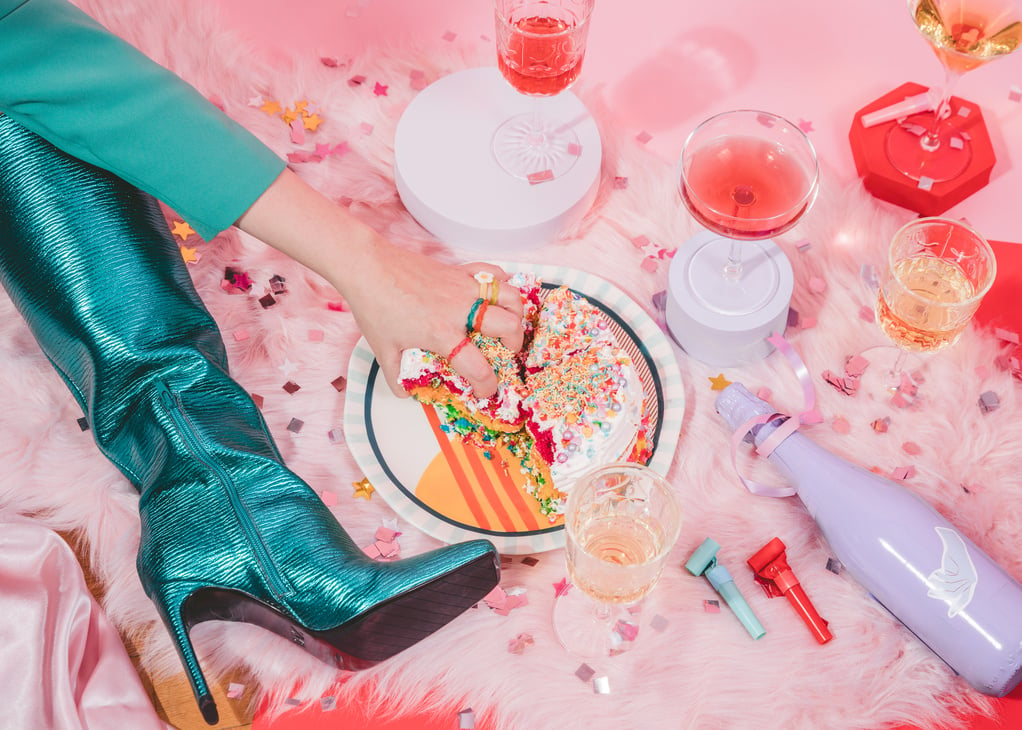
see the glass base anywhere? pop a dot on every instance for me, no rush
(530, 145)
(945, 158)
(893, 375)
(591, 630)
(752, 290)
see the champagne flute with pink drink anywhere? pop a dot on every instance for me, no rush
(540, 47)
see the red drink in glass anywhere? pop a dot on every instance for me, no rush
(745, 187)
(540, 56)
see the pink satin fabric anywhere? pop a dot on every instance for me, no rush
(62, 663)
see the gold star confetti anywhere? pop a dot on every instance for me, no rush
(270, 107)
(289, 116)
(189, 254)
(311, 121)
(182, 230)
(719, 382)
(363, 489)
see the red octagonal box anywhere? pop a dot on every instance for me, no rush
(921, 194)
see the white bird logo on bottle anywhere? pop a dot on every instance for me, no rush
(954, 582)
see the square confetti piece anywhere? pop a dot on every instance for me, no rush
(449, 36)
(535, 178)
(711, 606)
(291, 387)
(235, 690)
(335, 435)
(366, 128)
(329, 498)
(834, 566)
(83, 423)
(989, 401)
(295, 425)
(520, 643)
(601, 685)
(357, 80)
(339, 383)
(1015, 94)
(620, 183)
(292, 701)
(640, 241)
(660, 301)
(659, 624)
(925, 183)
(267, 301)
(240, 334)
(257, 399)
(956, 143)
(643, 137)
(466, 719)
(530, 561)
(585, 672)
(326, 704)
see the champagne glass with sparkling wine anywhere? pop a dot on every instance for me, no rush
(540, 47)
(938, 271)
(620, 524)
(965, 34)
(745, 175)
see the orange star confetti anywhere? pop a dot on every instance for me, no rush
(270, 106)
(190, 255)
(719, 382)
(312, 121)
(363, 489)
(182, 230)
(289, 116)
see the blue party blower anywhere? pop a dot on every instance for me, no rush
(704, 562)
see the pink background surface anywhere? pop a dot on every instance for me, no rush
(665, 65)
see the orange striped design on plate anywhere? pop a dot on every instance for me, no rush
(466, 485)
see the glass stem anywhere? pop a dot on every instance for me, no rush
(733, 267)
(894, 375)
(930, 141)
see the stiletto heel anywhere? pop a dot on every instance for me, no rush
(171, 604)
(227, 531)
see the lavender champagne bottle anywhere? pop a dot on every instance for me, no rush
(965, 607)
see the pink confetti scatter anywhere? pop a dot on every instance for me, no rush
(520, 643)
(1015, 94)
(330, 62)
(866, 314)
(881, 425)
(561, 588)
(807, 323)
(911, 448)
(803, 245)
(840, 425)
(379, 89)
(627, 631)
(649, 264)
(235, 691)
(855, 366)
(449, 36)
(357, 80)
(640, 242)
(535, 178)
(466, 719)
(925, 183)
(805, 125)
(297, 131)
(620, 183)
(574, 149)
(711, 606)
(329, 498)
(241, 334)
(1006, 335)
(643, 137)
(903, 472)
(366, 128)
(817, 285)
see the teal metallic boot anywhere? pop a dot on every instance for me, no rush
(228, 532)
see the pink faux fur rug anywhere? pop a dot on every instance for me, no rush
(703, 671)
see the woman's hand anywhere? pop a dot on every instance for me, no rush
(400, 299)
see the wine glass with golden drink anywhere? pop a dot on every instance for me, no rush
(938, 271)
(745, 175)
(540, 47)
(964, 34)
(621, 522)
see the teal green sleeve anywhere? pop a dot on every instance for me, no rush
(86, 91)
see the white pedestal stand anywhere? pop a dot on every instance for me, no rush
(448, 178)
(725, 322)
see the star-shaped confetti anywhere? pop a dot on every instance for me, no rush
(182, 230)
(190, 255)
(363, 489)
(719, 382)
(312, 122)
(271, 107)
(561, 588)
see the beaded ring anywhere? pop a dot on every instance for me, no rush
(470, 322)
(477, 323)
(458, 348)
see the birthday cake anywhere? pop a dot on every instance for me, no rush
(571, 400)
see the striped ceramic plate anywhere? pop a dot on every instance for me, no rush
(455, 491)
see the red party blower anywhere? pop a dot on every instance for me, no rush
(773, 573)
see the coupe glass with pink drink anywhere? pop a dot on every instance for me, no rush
(745, 175)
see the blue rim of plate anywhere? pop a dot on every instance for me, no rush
(364, 383)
